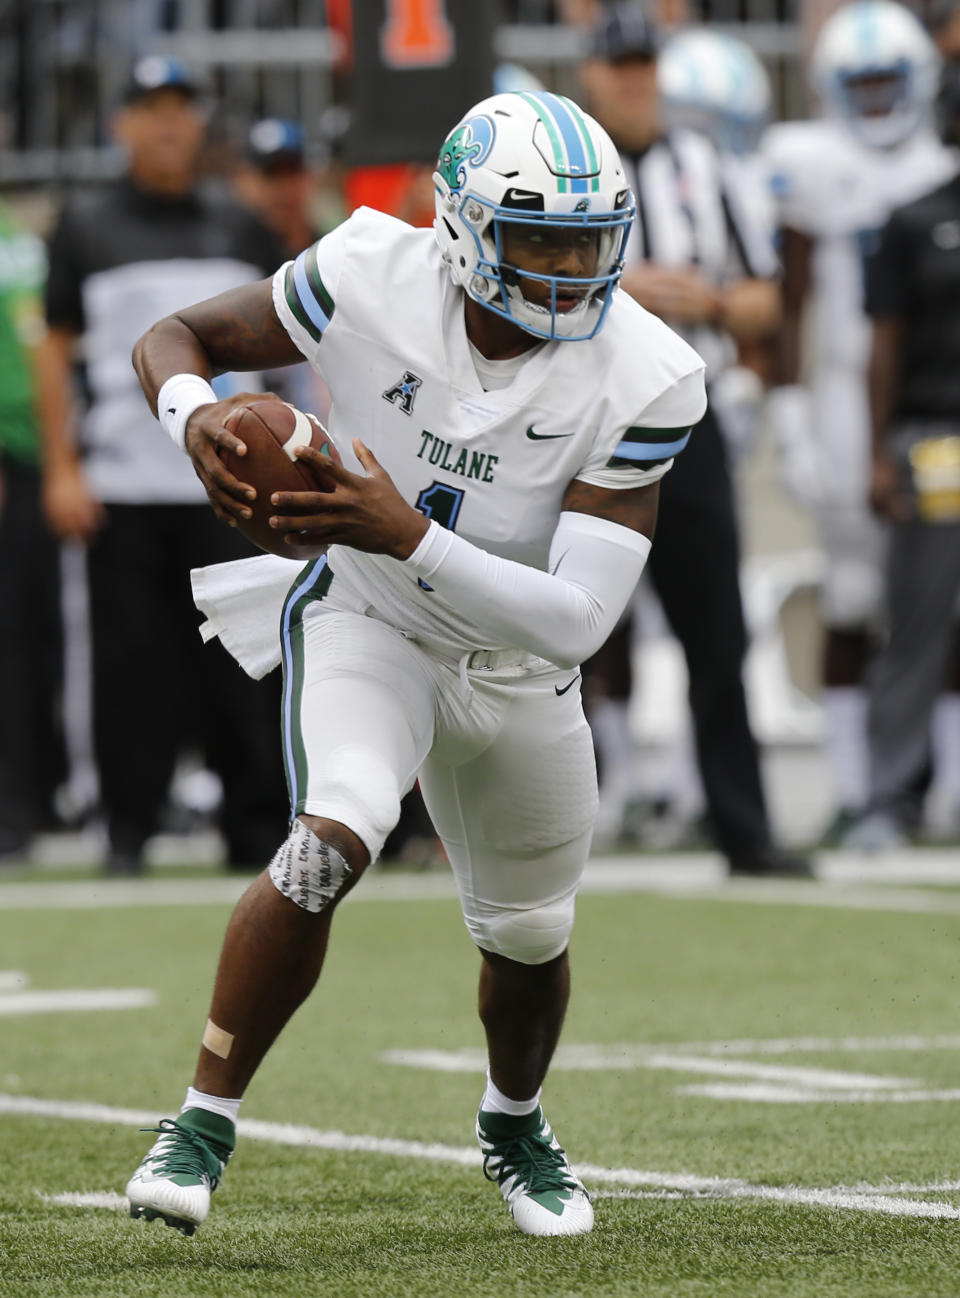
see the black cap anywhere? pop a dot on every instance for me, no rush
(157, 72)
(948, 103)
(276, 144)
(625, 31)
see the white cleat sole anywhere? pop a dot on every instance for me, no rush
(139, 1210)
(533, 1219)
(184, 1208)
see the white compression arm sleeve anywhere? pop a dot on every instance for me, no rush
(563, 615)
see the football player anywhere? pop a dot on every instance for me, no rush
(835, 180)
(714, 84)
(504, 417)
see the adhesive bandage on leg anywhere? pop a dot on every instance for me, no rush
(216, 1040)
(307, 870)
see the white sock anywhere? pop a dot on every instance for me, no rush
(212, 1103)
(494, 1101)
(945, 743)
(845, 709)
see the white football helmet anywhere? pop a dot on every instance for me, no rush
(714, 84)
(532, 159)
(875, 68)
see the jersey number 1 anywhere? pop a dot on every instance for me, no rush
(441, 504)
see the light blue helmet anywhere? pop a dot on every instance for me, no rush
(532, 159)
(875, 69)
(714, 84)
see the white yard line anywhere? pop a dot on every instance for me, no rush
(758, 1093)
(83, 1199)
(665, 1059)
(793, 1045)
(755, 1082)
(58, 1002)
(855, 1198)
(592, 1058)
(825, 1078)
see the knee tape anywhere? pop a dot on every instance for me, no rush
(528, 936)
(307, 870)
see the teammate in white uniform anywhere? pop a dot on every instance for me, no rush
(504, 417)
(836, 180)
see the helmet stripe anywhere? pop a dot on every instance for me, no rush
(577, 158)
(868, 26)
(593, 163)
(576, 166)
(559, 160)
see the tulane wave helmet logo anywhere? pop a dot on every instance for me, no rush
(468, 144)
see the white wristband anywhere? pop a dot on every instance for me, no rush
(179, 397)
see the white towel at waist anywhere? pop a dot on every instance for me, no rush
(242, 601)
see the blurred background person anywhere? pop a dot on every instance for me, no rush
(276, 181)
(118, 260)
(31, 756)
(714, 84)
(699, 257)
(913, 297)
(835, 179)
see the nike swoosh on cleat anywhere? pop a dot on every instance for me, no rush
(545, 437)
(569, 686)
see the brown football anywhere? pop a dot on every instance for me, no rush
(271, 430)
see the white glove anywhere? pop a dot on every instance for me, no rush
(801, 462)
(736, 397)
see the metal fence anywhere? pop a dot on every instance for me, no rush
(63, 64)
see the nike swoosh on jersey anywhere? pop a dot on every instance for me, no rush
(558, 691)
(544, 437)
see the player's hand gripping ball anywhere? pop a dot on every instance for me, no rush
(272, 430)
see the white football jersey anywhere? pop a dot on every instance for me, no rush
(372, 308)
(831, 187)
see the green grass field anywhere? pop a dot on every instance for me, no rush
(827, 1163)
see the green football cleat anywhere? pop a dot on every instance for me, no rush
(176, 1179)
(536, 1180)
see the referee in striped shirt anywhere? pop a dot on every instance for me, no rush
(699, 258)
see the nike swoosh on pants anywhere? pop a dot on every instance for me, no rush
(569, 686)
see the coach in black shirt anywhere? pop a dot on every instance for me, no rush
(121, 258)
(913, 295)
(699, 258)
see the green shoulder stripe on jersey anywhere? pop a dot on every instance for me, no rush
(654, 434)
(318, 286)
(293, 302)
(620, 462)
(305, 285)
(642, 448)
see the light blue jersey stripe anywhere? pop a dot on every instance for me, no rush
(306, 295)
(309, 581)
(572, 139)
(650, 450)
